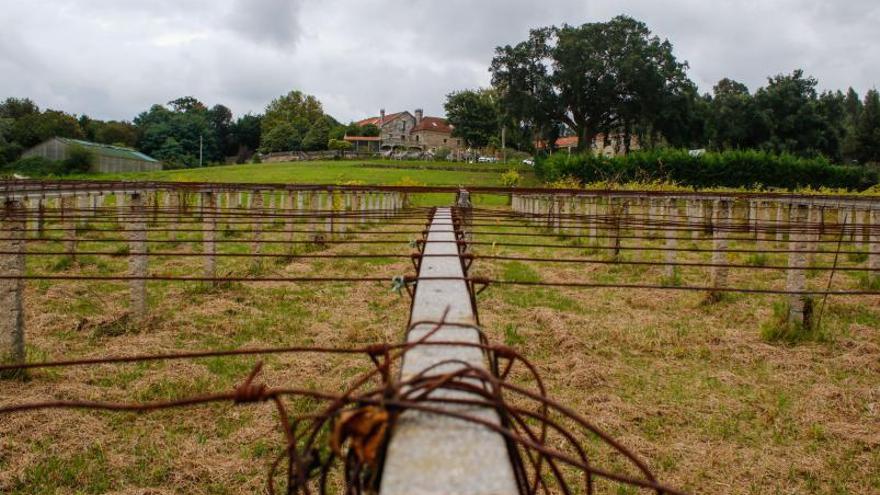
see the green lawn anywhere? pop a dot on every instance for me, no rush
(376, 172)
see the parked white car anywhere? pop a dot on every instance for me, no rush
(487, 159)
(529, 162)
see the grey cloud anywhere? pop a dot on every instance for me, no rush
(114, 58)
(270, 21)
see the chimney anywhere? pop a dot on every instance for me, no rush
(381, 117)
(419, 114)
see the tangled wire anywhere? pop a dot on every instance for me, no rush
(546, 441)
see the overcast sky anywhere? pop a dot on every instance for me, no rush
(114, 58)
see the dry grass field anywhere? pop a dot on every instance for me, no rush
(691, 386)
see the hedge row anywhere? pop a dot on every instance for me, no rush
(749, 169)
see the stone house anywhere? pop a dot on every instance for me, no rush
(411, 131)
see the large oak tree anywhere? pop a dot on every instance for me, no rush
(597, 77)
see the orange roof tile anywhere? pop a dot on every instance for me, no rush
(435, 124)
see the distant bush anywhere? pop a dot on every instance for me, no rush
(511, 178)
(442, 153)
(35, 166)
(79, 160)
(751, 169)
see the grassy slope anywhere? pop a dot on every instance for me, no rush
(334, 172)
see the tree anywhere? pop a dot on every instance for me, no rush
(296, 111)
(867, 131)
(16, 108)
(789, 107)
(220, 118)
(734, 121)
(318, 135)
(245, 136)
(34, 128)
(370, 130)
(113, 132)
(853, 108)
(176, 133)
(592, 78)
(339, 145)
(281, 137)
(474, 115)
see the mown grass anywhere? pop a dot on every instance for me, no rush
(370, 172)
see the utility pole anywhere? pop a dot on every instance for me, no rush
(201, 146)
(504, 144)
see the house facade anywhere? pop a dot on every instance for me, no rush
(409, 131)
(610, 145)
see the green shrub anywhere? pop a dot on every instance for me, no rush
(511, 178)
(442, 153)
(34, 166)
(736, 169)
(79, 160)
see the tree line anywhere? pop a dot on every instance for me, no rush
(618, 78)
(184, 130)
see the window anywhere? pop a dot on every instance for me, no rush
(417, 138)
(444, 141)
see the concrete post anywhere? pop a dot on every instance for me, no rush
(860, 219)
(68, 223)
(779, 224)
(814, 227)
(12, 350)
(721, 213)
(41, 218)
(330, 214)
(288, 220)
(137, 263)
(120, 206)
(431, 453)
(874, 246)
(257, 227)
(82, 209)
(672, 214)
(762, 225)
(209, 225)
(594, 219)
(797, 263)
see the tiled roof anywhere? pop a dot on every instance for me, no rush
(435, 124)
(375, 120)
(109, 150)
(563, 142)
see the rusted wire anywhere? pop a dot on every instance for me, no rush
(545, 438)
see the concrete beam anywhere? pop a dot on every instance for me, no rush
(435, 454)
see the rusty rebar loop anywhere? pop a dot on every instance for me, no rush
(391, 398)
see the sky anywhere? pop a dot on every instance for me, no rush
(112, 59)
